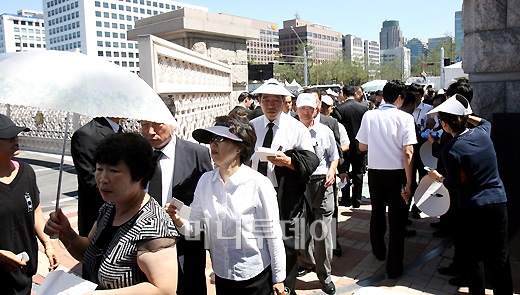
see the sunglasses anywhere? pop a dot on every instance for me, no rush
(217, 138)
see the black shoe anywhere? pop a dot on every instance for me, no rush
(303, 271)
(448, 271)
(458, 282)
(356, 204)
(329, 288)
(344, 204)
(410, 233)
(394, 276)
(380, 257)
(436, 225)
(337, 252)
(408, 221)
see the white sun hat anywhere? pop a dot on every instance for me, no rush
(273, 87)
(331, 92)
(456, 105)
(327, 100)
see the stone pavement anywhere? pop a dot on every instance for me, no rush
(355, 269)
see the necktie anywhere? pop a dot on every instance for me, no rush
(268, 139)
(155, 185)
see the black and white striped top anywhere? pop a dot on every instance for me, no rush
(116, 266)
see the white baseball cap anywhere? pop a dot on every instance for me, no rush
(306, 99)
(327, 100)
(456, 105)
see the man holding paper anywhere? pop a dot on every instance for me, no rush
(181, 164)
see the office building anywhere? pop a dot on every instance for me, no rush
(391, 35)
(418, 49)
(22, 31)
(435, 44)
(100, 27)
(372, 57)
(323, 44)
(401, 57)
(459, 33)
(264, 49)
(354, 48)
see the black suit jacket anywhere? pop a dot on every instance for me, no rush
(83, 144)
(333, 125)
(351, 113)
(191, 161)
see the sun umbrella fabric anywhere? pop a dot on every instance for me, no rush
(374, 85)
(74, 82)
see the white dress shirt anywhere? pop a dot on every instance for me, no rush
(167, 164)
(420, 115)
(113, 124)
(343, 135)
(324, 147)
(288, 134)
(243, 227)
(386, 131)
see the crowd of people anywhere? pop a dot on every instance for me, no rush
(266, 217)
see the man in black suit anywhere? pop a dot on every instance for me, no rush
(181, 163)
(82, 147)
(352, 112)
(244, 102)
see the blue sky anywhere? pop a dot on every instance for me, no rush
(362, 18)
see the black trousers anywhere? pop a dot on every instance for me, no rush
(259, 285)
(385, 189)
(357, 162)
(485, 230)
(192, 267)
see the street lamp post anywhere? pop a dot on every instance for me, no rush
(304, 58)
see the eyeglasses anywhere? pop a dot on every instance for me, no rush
(217, 138)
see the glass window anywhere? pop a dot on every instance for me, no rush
(128, 17)
(123, 45)
(113, 6)
(131, 64)
(130, 45)
(97, 3)
(114, 15)
(121, 7)
(154, 4)
(114, 35)
(167, 6)
(100, 53)
(115, 44)
(149, 12)
(122, 17)
(136, 9)
(17, 29)
(105, 5)
(99, 33)
(98, 13)
(128, 8)
(161, 5)
(108, 44)
(142, 10)
(100, 43)
(106, 14)
(130, 54)
(116, 54)
(124, 64)
(107, 34)
(108, 53)
(122, 26)
(114, 26)
(128, 27)
(123, 54)
(122, 35)
(116, 62)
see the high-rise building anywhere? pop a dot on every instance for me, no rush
(436, 43)
(354, 48)
(400, 56)
(99, 27)
(264, 49)
(418, 48)
(459, 33)
(391, 35)
(322, 42)
(22, 31)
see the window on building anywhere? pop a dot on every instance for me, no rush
(114, 25)
(124, 64)
(100, 43)
(97, 4)
(107, 34)
(105, 5)
(130, 54)
(108, 44)
(115, 35)
(123, 45)
(99, 33)
(131, 64)
(108, 53)
(115, 44)
(122, 35)
(106, 14)
(123, 54)
(113, 6)
(114, 15)
(130, 45)
(121, 17)
(116, 54)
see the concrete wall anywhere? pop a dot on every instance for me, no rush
(492, 60)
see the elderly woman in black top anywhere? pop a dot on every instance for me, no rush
(131, 247)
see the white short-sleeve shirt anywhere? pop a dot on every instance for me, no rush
(386, 131)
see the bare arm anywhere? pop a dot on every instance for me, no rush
(160, 267)
(331, 173)
(363, 147)
(474, 120)
(39, 224)
(408, 168)
(76, 244)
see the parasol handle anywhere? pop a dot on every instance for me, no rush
(60, 173)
